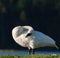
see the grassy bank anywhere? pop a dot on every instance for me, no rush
(30, 56)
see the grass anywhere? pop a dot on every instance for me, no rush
(31, 56)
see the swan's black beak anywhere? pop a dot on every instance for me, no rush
(29, 34)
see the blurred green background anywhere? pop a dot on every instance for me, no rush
(42, 15)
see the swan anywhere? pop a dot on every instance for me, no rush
(26, 36)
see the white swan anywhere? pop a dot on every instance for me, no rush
(26, 36)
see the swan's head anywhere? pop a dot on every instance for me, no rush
(21, 30)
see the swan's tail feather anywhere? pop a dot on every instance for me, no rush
(56, 46)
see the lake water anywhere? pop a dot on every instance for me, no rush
(21, 53)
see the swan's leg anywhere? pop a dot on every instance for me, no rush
(33, 51)
(29, 51)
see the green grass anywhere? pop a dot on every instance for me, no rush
(31, 56)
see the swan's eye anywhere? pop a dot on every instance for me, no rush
(29, 34)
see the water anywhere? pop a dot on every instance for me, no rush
(21, 53)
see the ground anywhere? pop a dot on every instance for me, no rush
(32, 56)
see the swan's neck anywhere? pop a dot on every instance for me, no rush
(16, 33)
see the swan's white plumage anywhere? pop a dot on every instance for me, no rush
(35, 40)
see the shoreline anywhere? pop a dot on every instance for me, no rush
(12, 50)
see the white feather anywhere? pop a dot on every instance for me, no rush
(35, 40)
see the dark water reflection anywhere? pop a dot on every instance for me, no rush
(21, 53)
